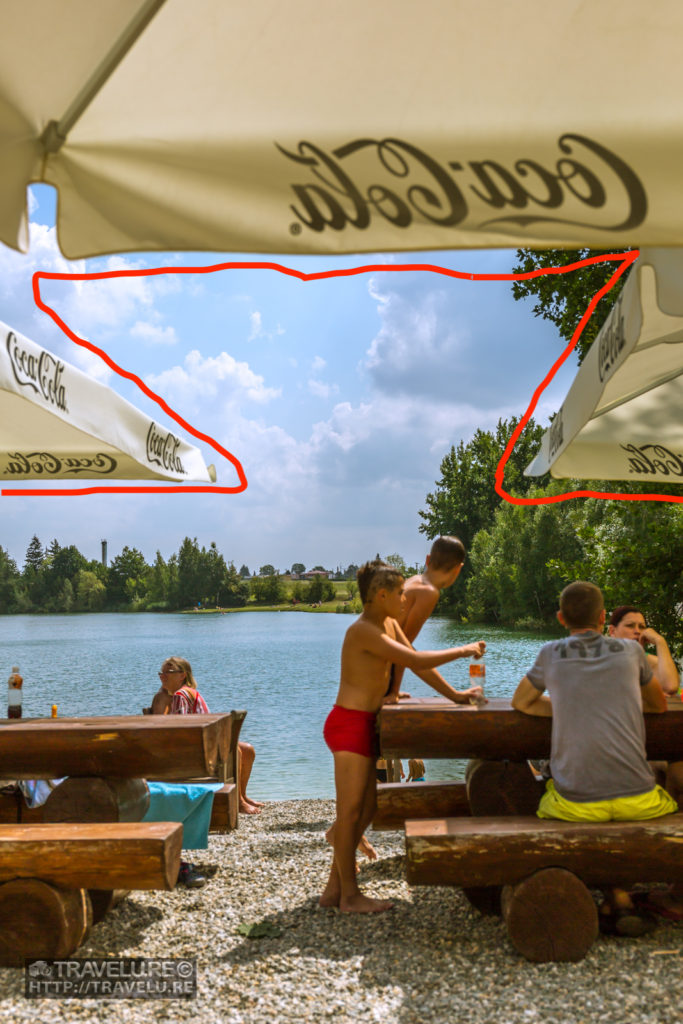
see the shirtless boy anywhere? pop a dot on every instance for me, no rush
(443, 565)
(372, 644)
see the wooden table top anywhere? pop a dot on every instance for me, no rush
(436, 727)
(164, 747)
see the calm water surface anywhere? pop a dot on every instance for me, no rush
(283, 668)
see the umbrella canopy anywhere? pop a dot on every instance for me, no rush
(347, 126)
(58, 423)
(623, 416)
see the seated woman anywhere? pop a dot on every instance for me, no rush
(628, 622)
(178, 695)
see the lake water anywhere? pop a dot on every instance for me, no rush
(282, 667)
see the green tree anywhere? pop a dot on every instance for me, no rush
(191, 587)
(564, 298)
(65, 598)
(268, 589)
(213, 570)
(267, 570)
(34, 556)
(298, 568)
(11, 597)
(127, 579)
(397, 562)
(158, 588)
(234, 590)
(244, 571)
(634, 552)
(515, 579)
(465, 499)
(90, 591)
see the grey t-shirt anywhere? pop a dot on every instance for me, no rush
(598, 731)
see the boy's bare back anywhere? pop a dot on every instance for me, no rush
(421, 597)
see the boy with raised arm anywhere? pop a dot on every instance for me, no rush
(371, 645)
(422, 592)
(598, 688)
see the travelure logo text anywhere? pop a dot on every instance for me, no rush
(411, 185)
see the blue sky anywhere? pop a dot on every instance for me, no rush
(339, 397)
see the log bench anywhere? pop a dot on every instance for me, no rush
(542, 870)
(107, 760)
(103, 757)
(48, 871)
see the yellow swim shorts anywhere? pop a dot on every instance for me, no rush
(624, 808)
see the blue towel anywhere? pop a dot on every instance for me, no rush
(188, 803)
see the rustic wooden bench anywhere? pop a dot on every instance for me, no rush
(108, 758)
(545, 869)
(398, 802)
(48, 871)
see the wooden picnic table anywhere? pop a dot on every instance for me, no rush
(164, 747)
(435, 727)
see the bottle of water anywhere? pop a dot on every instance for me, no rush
(14, 693)
(477, 678)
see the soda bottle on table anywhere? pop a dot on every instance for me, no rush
(14, 693)
(477, 678)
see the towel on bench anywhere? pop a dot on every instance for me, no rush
(187, 802)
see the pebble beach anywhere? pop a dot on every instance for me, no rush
(431, 960)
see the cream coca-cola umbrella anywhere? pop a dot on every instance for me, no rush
(56, 423)
(623, 416)
(328, 127)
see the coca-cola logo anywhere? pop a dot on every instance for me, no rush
(556, 435)
(411, 185)
(648, 459)
(611, 341)
(42, 373)
(162, 450)
(39, 463)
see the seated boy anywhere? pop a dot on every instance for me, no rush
(442, 568)
(598, 688)
(371, 645)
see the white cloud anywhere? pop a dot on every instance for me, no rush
(219, 376)
(154, 333)
(318, 364)
(320, 389)
(257, 329)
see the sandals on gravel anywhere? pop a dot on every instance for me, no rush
(628, 922)
(644, 902)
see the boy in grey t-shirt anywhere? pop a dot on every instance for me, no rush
(598, 688)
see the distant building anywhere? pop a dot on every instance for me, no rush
(313, 573)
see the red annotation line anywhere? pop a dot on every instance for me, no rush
(625, 260)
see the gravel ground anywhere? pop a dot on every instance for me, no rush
(431, 960)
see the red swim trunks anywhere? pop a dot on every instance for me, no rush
(348, 729)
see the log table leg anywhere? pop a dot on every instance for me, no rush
(550, 916)
(104, 900)
(502, 788)
(97, 800)
(484, 898)
(41, 921)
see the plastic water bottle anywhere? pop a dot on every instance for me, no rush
(477, 678)
(14, 693)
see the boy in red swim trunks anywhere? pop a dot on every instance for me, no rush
(372, 644)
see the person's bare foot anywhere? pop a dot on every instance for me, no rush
(360, 904)
(246, 808)
(366, 848)
(330, 896)
(254, 803)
